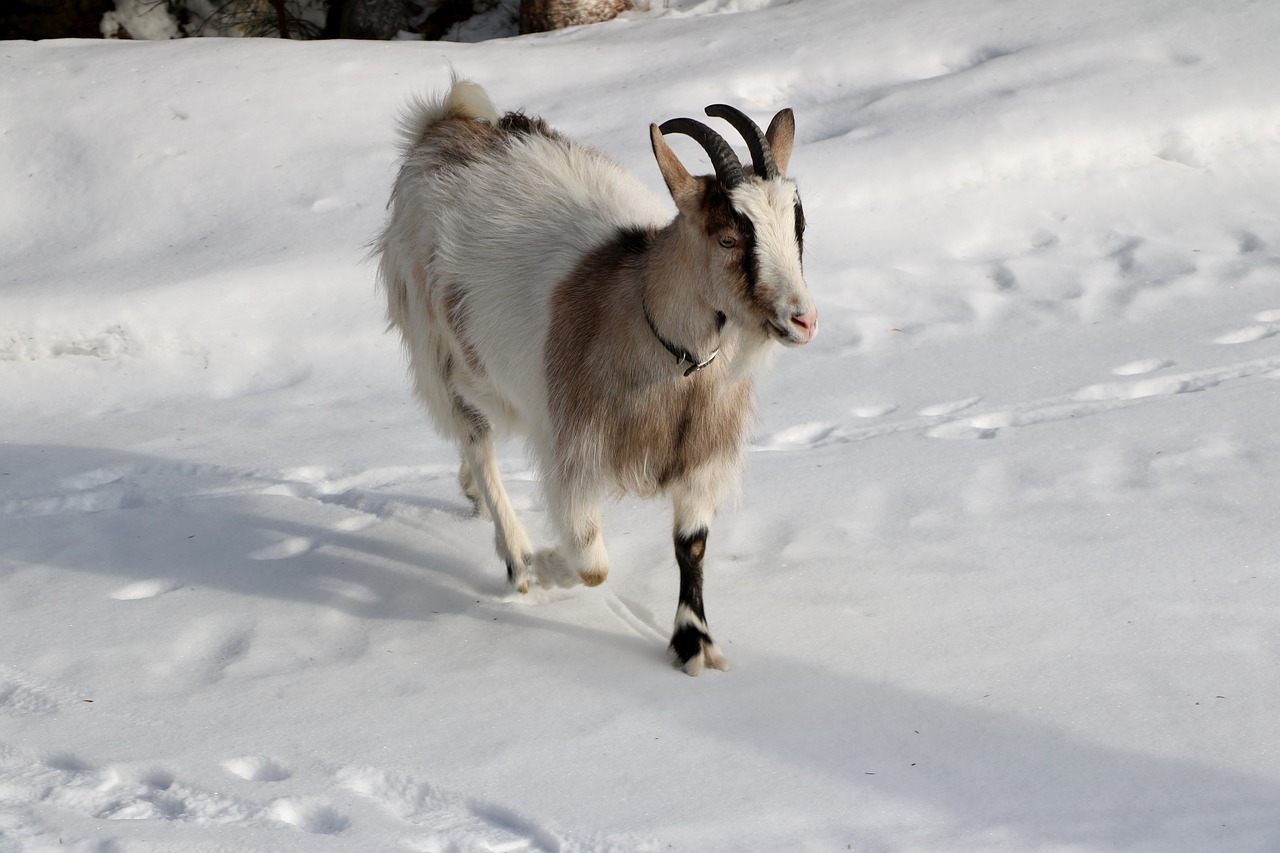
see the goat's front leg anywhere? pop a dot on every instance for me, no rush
(692, 648)
(581, 557)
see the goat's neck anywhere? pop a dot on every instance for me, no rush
(675, 298)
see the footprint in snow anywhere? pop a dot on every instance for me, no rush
(309, 815)
(355, 523)
(284, 549)
(868, 412)
(1164, 386)
(1138, 368)
(1267, 323)
(145, 589)
(257, 768)
(452, 821)
(204, 651)
(938, 410)
(799, 436)
(1248, 334)
(979, 426)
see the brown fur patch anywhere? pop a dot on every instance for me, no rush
(721, 217)
(587, 535)
(458, 143)
(633, 414)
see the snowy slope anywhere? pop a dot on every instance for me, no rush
(1005, 575)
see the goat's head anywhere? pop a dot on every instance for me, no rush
(748, 222)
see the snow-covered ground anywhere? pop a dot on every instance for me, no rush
(242, 604)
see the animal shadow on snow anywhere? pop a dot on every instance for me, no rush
(371, 553)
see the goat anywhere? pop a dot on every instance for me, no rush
(542, 290)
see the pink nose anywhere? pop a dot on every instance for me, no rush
(807, 322)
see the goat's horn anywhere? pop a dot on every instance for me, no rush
(728, 168)
(757, 142)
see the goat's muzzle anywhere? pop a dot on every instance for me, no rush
(796, 329)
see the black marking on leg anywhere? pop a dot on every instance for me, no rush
(691, 622)
(477, 424)
(689, 553)
(687, 643)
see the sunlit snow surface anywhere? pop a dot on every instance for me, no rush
(1006, 570)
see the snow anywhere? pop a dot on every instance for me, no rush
(1004, 575)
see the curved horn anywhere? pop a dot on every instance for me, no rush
(728, 168)
(757, 143)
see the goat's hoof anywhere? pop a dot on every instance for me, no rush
(594, 575)
(708, 657)
(518, 576)
(693, 650)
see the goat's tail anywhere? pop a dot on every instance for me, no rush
(464, 99)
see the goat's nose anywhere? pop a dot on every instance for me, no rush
(808, 323)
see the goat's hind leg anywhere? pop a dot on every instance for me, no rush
(692, 648)
(483, 485)
(467, 480)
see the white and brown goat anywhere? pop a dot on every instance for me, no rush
(541, 290)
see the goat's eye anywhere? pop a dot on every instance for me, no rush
(728, 241)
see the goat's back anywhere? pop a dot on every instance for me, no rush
(488, 217)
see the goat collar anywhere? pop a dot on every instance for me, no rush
(682, 355)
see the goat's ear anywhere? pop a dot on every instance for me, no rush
(782, 135)
(684, 188)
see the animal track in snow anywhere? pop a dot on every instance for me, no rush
(949, 408)
(257, 768)
(636, 617)
(202, 653)
(879, 411)
(149, 795)
(284, 549)
(1137, 368)
(354, 592)
(450, 822)
(145, 589)
(138, 485)
(20, 699)
(326, 204)
(68, 784)
(111, 343)
(1266, 324)
(801, 435)
(975, 58)
(948, 421)
(309, 814)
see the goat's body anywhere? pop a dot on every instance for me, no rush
(496, 252)
(528, 305)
